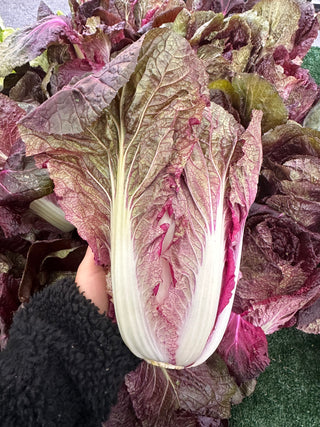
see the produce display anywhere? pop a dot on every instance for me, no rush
(181, 141)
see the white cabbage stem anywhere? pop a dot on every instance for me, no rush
(51, 213)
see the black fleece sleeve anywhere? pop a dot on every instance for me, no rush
(63, 364)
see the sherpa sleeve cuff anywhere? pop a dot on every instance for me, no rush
(64, 360)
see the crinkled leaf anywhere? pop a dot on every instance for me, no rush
(27, 75)
(236, 39)
(17, 221)
(279, 311)
(278, 258)
(167, 17)
(123, 9)
(72, 70)
(298, 178)
(293, 83)
(21, 181)
(158, 396)
(23, 45)
(291, 172)
(203, 25)
(279, 271)
(122, 413)
(290, 140)
(228, 6)
(303, 211)
(224, 6)
(307, 31)
(28, 89)
(217, 66)
(154, 12)
(256, 93)
(10, 114)
(180, 24)
(82, 37)
(221, 42)
(283, 21)
(309, 318)
(199, 4)
(312, 119)
(244, 348)
(82, 103)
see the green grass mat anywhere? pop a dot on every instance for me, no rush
(311, 62)
(288, 392)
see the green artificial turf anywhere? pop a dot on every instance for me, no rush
(288, 392)
(311, 62)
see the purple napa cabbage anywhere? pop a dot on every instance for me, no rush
(279, 268)
(290, 174)
(159, 182)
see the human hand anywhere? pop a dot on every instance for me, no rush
(91, 279)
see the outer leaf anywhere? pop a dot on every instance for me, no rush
(290, 140)
(292, 172)
(283, 21)
(83, 102)
(278, 257)
(244, 348)
(21, 181)
(155, 13)
(158, 396)
(293, 83)
(307, 31)
(225, 6)
(309, 318)
(256, 93)
(202, 25)
(217, 66)
(226, 44)
(23, 45)
(10, 114)
(122, 413)
(278, 312)
(28, 89)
